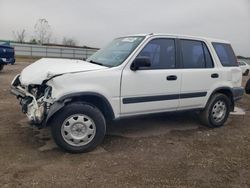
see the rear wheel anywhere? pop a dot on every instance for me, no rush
(78, 128)
(246, 73)
(216, 112)
(247, 87)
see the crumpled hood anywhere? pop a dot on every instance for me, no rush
(46, 68)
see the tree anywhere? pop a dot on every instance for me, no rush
(33, 41)
(19, 36)
(69, 41)
(42, 31)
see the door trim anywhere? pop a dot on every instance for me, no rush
(132, 100)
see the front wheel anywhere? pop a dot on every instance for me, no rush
(78, 127)
(216, 112)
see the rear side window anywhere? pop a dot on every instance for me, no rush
(195, 54)
(208, 59)
(225, 54)
(241, 63)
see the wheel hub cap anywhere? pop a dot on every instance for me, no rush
(78, 130)
(219, 111)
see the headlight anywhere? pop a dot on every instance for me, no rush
(16, 80)
(39, 91)
(47, 92)
(34, 91)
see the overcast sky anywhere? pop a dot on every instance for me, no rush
(95, 23)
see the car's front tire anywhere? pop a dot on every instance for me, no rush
(78, 127)
(216, 111)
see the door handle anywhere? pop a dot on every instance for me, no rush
(215, 75)
(171, 77)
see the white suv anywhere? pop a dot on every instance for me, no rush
(133, 75)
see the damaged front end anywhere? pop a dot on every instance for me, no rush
(34, 99)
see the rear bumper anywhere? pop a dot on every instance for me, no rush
(238, 93)
(7, 60)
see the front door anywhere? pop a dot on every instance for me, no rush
(155, 88)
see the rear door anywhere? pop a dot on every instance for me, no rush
(198, 73)
(155, 88)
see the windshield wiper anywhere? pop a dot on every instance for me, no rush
(97, 63)
(94, 62)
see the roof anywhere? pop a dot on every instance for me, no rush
(182, 36)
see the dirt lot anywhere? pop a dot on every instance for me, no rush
(170, 150)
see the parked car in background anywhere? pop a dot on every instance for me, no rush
(7, 55)
(133, 75)
(245, 67)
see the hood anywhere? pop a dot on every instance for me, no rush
(47, 68)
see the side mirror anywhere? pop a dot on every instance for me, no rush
(142, 61)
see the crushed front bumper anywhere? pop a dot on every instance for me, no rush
(33, 108)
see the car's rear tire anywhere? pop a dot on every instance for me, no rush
(78, 127)
(247, 87)
(246, 73)
(216, 111)
(1, 67)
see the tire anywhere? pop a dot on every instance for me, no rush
(78, 128)
(1, 67)
(246, 73)
(216, 111)
(247, 87)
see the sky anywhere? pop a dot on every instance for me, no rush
(95, 23)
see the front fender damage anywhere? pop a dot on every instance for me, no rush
(54, 108)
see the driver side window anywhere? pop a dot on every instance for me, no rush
(161, 53)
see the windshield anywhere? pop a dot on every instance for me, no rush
(116, 52)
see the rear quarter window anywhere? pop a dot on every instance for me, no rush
(225, 54)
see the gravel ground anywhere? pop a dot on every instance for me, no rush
(169, 150)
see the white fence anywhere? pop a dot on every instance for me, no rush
(51, 51)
